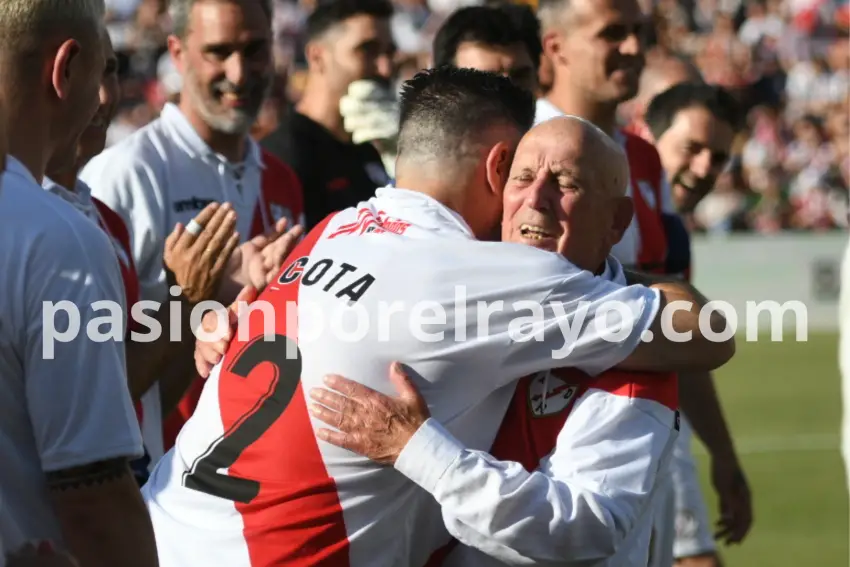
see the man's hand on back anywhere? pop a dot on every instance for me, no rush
(369, 423)
(209, 353)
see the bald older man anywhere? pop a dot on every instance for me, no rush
(579, 458)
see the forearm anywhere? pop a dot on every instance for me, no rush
(509, 513)
(148, 362)
(104, 521)
(176, 371)
(701, 405)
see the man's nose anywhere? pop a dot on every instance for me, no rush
(632, 45)
(536, 196)
(235, 69)
(384, 66)
(701, 164)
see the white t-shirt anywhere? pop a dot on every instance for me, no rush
(286, 498)
(74, 408)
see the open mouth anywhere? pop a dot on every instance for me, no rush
(533, 232)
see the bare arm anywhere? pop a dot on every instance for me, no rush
(670, 350)
(701, 406)
(102, 516)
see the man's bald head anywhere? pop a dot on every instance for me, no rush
(662, 72)
(566, 191)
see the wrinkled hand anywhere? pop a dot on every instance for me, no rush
(42, 556)
(196, 263)
(735, 500)
(208, 354)
(369, 423)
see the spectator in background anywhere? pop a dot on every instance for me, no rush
(199, 153)
(67, 426)
(348, 41)
(487, 39)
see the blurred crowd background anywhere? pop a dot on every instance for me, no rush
(787, 61)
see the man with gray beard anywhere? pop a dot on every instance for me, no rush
(199, 152)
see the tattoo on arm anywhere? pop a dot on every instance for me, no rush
(94, 474)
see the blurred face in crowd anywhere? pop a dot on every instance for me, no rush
(359, 48)
(597, 44)
(566, 193)
(93, 140)
(226, 63)
(694, 151)
(512, 61)
(82, 70)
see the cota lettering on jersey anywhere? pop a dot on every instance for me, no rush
(339, 278)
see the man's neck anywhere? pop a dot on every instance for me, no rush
(231, 146)
(604, 115)
(321, 106)
(67, 178)
(29, 150)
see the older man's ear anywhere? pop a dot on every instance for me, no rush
(624, 211)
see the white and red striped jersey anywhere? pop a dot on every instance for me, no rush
(400, 277)
(574, 474)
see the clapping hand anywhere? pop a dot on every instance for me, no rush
(197, 254)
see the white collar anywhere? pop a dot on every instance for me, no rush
(187, 137)
(422, 201)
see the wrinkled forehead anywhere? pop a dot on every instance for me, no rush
(553, 148)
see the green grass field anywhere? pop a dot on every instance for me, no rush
(783, 403)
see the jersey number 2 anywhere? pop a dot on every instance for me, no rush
(204, 476)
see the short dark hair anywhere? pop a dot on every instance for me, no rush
(476, 24)
(526, 21)
(331, 13)
(443, 109)
(662, 110)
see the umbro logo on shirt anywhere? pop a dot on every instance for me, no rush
(193, 204)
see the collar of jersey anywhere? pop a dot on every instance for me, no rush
(18, 168)
(187, 138)
(80, 198)
(614, 271)
(446, 216)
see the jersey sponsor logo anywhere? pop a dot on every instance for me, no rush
(280, 212)
(340, 278)
(368, 223)
(549, 395)
(377, 173)
(647, 193)
(193, 204)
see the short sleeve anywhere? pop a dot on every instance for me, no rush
(128, 184)
(76, 388)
